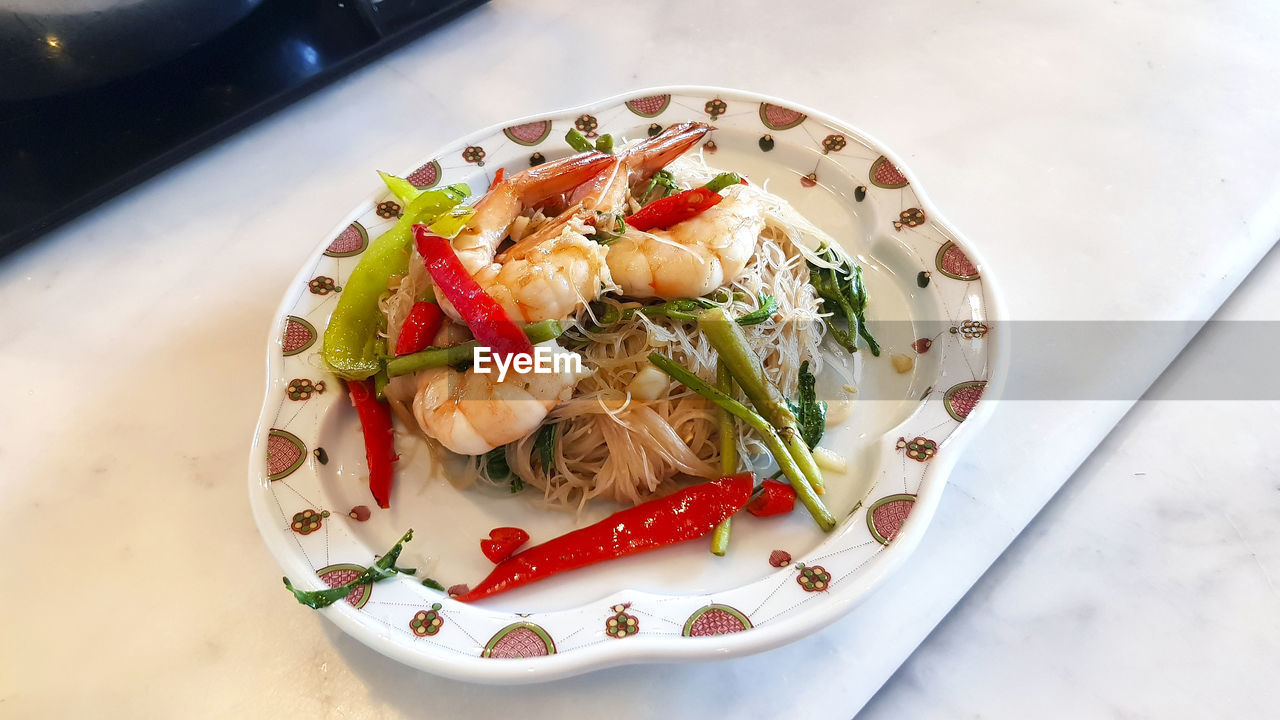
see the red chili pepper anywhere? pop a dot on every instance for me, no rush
(774, 498)
(379, 440)
(685, 515)
(673, 209)
(497, 178)
(502, 542)
(483, 315)
(420, 326)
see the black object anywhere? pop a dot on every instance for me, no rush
(63, 155)
(48, 48)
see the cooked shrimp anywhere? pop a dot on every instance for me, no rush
(498, 209)
(555, 271)
(691, 258)
(636, 163)
(472, 413)
(551, 279)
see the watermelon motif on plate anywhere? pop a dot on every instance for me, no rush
(953, 263)
(298, 336)
(426, 176)
(649, 107)
(886, 516)
(528, 134)
(285, 453)
(351, 241)
(519, 640)
(886, 175)
(776, 117)
(715, 620)
(338, 575)
(961, 398)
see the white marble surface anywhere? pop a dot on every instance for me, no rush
(1150, 585)
(1110, 159)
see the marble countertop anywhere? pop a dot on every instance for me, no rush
(1112, 160)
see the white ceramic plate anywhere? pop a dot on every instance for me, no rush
(931, 300)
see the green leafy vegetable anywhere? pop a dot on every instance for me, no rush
(609, 227)
(544, 444)
(723, 180)
(494, 467)
(578, 141)
(844, 296)
(384, 568)
(662, 179)
(433, 584)
(811, 414)
(768, 306)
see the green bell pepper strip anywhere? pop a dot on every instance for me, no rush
(404, 190)
(352, 345)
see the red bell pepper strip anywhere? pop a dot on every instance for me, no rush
(673, 209)
(379, 440)
(685, 515)
(773, 498)
(502, 542)
(497, 178)
(420, 326)
(483, 315)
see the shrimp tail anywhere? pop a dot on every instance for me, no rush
(547, 180)
(499, 208)
(649, 156)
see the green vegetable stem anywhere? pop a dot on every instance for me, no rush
(723, 180)
(578, 141)
(384, 568)
(464, 353)
(772, 439)
(728, 455)
(745, 367)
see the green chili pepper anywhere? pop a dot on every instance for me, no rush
(352, 344)
(604, 144)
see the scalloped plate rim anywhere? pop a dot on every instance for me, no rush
(640, 648)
